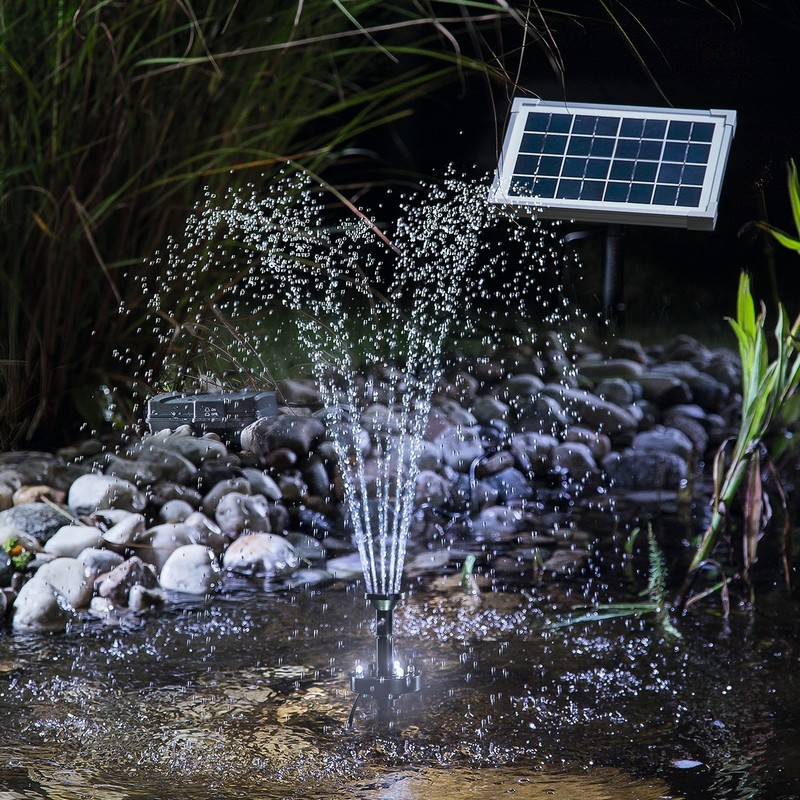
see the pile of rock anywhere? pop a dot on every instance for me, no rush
(511, 441)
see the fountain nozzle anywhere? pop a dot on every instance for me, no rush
(386, 680)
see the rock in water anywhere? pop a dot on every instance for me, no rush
(192, 569)
(262, 555)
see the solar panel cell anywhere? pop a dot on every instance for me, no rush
(554, 144)
(597, 168)
(574, 167)
(693, 175)
(702, 132)
(640, 193)
(627, 148)
(670, 173)
(568, 189)
(607, 126)
(602, 147)
(537, 122)
(675, 151)
(584, 125)
(679, 130)
(579, 146)
(622, 170)
(650, 149)
(654, 128)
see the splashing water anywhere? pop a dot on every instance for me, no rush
(373, 311)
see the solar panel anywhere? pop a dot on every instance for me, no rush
(602, 163)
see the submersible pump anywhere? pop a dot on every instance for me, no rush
(386, 679)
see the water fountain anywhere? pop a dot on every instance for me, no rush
(374, 310)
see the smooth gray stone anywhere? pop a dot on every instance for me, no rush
(37, 520)
(70, 540)
(92, 492)
(646, 470)
(191, 569)
(261, 554)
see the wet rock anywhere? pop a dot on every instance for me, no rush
(158, 543)
(297, 433)
(574, 458)
(97, 561)
(307, 547)
(709, 393)
(463, 388)
(634, 470)
(666, 440)
(164, 491)
(598, 443)
(175, 511)
(520, 385)
(124, 533)
(566, 562)
(431, 489)
(538, 413)
(229, 486)
(509, 484)
(379, 420)
(726, 368)
(6, 496)
(116, 585)
(589, 410)
(459, 447)
(92, 492)
(345, 568)
(281, 459)
(71, 540)
(430, 457)
(488, 408)
(596, 371)
(37, 520)
(38, 494)
(628, 349)
(457, 415)
(139, 473)
(206, 532)
(6, 568)
(261, 555)
(496, 524)
(686, 348)
(313, 522)
(299, 393)
(167, 464)
(664, 390)
(494, 463)
(65, 579)
(293, 487)
(261, 483)
(192, 569)
(237, 512)
(617, 391)
(536, 448)
(196, 449)
(693, 430)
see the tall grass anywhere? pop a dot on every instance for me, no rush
(115, 115)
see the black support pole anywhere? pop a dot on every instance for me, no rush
(613, 292)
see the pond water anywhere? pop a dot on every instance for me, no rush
(247, 695)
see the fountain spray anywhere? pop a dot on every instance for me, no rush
(387, 679)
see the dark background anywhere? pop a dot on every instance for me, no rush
(699, 57)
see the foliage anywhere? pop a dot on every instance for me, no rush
(768, 386)
(787, 240)
(655, 604)
(20, 557)
(117, 115)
